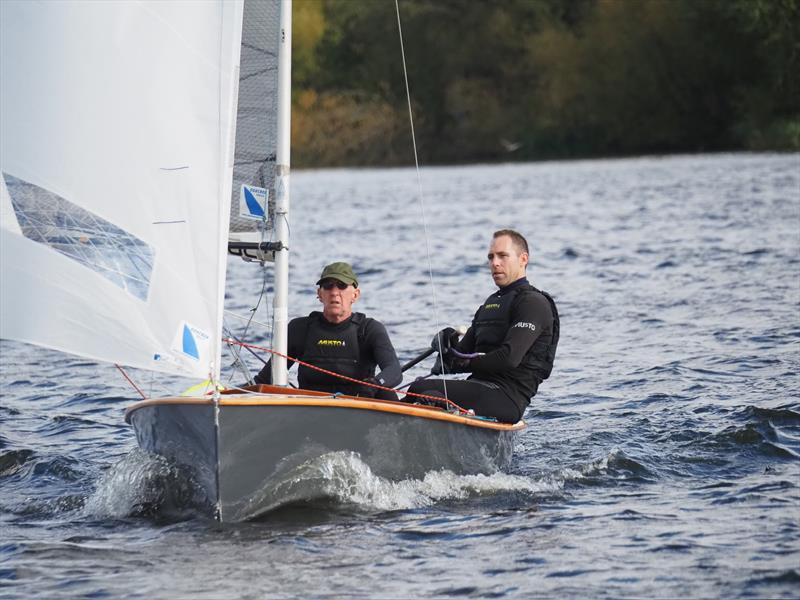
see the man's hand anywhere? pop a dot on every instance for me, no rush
(454, 362)
(444, 340)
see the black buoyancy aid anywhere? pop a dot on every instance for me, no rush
(548, 349)
(336, 349)
(493, 319)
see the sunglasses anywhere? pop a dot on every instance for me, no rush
(329, 285)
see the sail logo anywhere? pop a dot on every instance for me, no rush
(191, 342)
(524, 325)
(336, 343)
(252, 202)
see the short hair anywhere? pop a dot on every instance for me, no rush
(519, 241)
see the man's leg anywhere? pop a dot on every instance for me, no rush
(486, 399)
(385, 395)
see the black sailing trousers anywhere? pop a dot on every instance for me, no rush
(485, 398)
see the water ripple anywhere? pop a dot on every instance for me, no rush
(661, 457)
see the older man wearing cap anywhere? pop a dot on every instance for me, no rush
(339, 340)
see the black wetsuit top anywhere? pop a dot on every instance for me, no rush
(353, 348)
(519, 344)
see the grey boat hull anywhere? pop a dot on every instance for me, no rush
(264, 451)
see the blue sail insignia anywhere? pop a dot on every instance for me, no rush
(189, 343)
(253, 202)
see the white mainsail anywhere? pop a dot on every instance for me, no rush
(117, 125)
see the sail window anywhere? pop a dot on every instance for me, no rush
(49, 219)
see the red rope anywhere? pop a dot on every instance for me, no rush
(136, 387)
(345, 377)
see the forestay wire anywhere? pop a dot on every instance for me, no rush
(420, 193)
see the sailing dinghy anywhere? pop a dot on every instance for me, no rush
(142, 143)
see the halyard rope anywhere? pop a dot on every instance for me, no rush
(419, 192)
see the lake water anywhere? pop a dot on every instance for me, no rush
(661, 459)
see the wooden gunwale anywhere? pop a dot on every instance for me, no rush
(278, 396)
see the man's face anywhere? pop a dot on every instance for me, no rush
(506, 264)
(337, 299)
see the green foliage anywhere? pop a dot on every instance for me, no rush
(500, 80)
(771, 109)
(308, 26)
(645, 77)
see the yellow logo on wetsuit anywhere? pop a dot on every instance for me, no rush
(331, 343)
(488, 306)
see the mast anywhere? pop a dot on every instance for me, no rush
(280, 310)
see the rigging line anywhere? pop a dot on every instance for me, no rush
(439, 399)
(238, 351)
(136, 387)
(233, 315)
(238, 363)
(238, 355)
(405, 385)
(270, 238)
(258, 303)
(420, 194)
(250, 350)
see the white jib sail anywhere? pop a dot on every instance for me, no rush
(117, 127)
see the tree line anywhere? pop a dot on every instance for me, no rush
(538, 79)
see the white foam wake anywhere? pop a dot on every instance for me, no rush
(141, 482)
(146, 483)
(347, 479)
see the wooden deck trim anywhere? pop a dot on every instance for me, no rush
(279, 397)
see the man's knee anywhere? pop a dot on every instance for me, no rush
(431, 396)
(422, 384)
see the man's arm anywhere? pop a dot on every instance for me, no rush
(377, 341)
(529, 318)
(297, 330)
(466, 344)
(265, 374)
